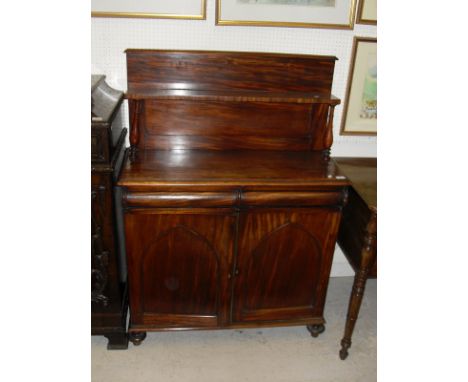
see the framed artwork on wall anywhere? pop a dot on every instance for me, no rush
(333, 14)
(159, 9)
(367, 12)
(360, 106)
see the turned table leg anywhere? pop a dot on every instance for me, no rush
(353, 311)
(368, 256)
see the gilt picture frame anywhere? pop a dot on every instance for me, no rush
(360, 106)
(331, 14)
(158, 9)
(367, 12)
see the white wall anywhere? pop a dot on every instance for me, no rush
(111, 36)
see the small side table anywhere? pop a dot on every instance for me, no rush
(358, 234)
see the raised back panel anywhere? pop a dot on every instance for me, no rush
(229, 100)
(226, 71)
(215, 125)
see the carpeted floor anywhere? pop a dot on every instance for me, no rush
(280, 354)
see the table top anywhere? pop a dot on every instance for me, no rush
(362, 172)
(198, 169)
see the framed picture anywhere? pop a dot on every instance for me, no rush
(160, 9)
(333, 14)
(367, 12)
(360, 107)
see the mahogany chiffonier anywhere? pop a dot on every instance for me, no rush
(358, 234)
(109, 304)
(231, 201)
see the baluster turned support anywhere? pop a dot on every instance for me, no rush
(135, 107)
(328, 136)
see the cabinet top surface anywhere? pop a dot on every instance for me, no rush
(256, 170)
(362, 173)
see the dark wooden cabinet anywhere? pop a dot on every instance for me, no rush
(108, 279)
(232, 204)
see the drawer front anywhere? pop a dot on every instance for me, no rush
(234, 198)
(288, 198)
(180, 199)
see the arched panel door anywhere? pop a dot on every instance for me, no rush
(180, 274)
(177, 266)
(283, 264)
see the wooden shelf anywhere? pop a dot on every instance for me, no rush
(232, 96)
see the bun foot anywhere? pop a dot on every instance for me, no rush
(315, 330)
(136, 337)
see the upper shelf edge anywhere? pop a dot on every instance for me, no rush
(246, 53)
(234, 96)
